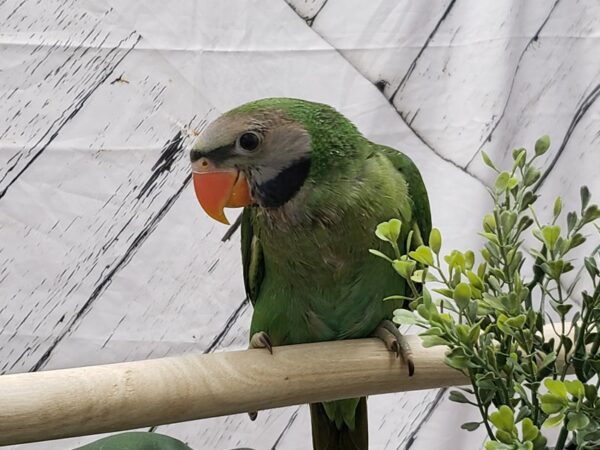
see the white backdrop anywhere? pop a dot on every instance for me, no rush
(105, 255)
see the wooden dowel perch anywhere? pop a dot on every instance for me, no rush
(89, 400)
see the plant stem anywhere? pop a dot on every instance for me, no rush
(503, 243)
(482, 411)
(595, 345)
(562, 438)
(536, 407)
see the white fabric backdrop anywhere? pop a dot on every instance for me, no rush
(104, 253)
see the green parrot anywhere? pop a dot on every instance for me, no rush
(314, 190)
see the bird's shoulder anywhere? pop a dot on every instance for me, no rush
(416, 187)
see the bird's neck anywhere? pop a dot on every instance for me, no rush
(322, 204)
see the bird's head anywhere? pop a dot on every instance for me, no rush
(263, 153)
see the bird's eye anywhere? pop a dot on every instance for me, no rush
(249, 141)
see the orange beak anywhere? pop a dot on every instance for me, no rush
(217, 190)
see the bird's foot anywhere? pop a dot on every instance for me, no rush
(395, 342)
(259, 340)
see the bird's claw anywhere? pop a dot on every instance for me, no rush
(261, 340)
(396, 343)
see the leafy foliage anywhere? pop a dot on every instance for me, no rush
(136, 440)
(491, 316)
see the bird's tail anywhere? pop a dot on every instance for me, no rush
(340, 425)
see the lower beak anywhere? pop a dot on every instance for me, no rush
(217, 190)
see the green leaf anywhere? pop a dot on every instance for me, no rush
(524, 411)
(426, 312)
(485, 253)
(457, 362)
(503, 419)
(136, 440)
(404, 268)
(445, 292)
(576, 240)
(462, 331)
(432, 341)
(516, 322)
(591, 267)
(433, 331)
(419, 276)
(423, 255)
(435, 240)
(481, 270)
(474, 333)
(462, 295)
(495, 445)
(474, 280)
(519, 155)
(397, 297)
(571, 220)
(585, 195)
(394, 229)
(389, 231)
(512, 183)
(531, 176)
(383, 231)
(505, 437)
(551, 403)
(550, 234)
(469, 259)
(508, 220)
(490, 237)
(590, 392)
(577, 421)
(404, 317)
(591, 214)
(380, 254)
(470, 426)
(489, 223)
(542, 145)
(529, 430)
(556, 387)
(456, 260)
(427, 298)
(553, 421)
(501, 183)
(575, 388)
(591, 436)
(459, 397)
(488, 161)
(557, 207)
(548, 359)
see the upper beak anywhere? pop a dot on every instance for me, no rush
(219, 189)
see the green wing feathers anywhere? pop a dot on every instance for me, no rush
(416, 189)
(252, 257)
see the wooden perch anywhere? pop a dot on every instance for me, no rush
(96, 399)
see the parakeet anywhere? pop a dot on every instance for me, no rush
(313, 190)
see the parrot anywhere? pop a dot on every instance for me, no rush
(313, 189)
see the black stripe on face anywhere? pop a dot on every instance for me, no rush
(218, 154)
(277, 191)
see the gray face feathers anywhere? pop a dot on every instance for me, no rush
(271, 150)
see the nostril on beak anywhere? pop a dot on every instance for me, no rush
(202, 164)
